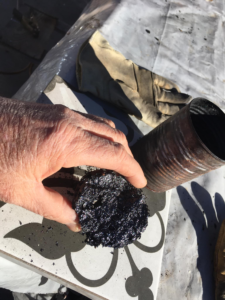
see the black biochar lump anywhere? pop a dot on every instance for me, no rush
(111, 211)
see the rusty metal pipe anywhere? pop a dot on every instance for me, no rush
(187, 145)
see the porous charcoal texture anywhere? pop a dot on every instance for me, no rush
(111, 211)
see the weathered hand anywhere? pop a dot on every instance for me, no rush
(37, 140)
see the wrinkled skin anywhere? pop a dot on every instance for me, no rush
(37, 140)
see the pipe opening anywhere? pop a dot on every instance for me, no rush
(209, 123)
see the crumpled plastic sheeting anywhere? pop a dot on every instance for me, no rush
(186, 42)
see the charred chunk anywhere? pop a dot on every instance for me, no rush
(112, 212)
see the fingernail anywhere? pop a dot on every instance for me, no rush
(74, 227)
(74, 224)
(146, 181)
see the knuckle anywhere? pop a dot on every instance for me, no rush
(121, 136)
(112, 124)
(60, 107)
(63, 109)
(48, 216)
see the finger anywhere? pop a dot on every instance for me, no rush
(169, 109)
(117, 136)
(105, 131)
(102, 153)
(164, 83)
(170, 96)
(51, 205)
(99, 119)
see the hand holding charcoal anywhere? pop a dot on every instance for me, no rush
(37, 140)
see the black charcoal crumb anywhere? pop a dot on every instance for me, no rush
(111, 211)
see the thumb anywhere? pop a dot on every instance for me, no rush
(52, 205)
